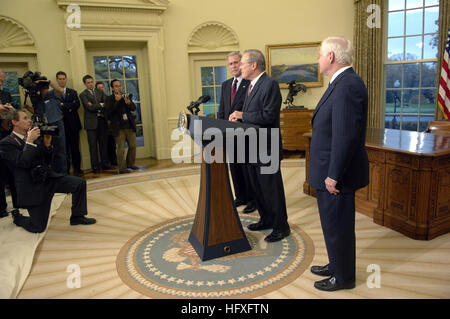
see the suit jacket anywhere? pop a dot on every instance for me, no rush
(225, 107)
(114, 112)
(5, 97)
(338, 139)
(90, 112)
(262, 107)
(21, 158)
(70, 106)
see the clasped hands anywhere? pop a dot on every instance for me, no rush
(235, 116)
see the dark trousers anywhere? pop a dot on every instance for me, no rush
(98, 140)
(6, 178)
(72, 147)
(37, 222)
(337, 216)
(241, 182)
(268, 191)
(59, 160)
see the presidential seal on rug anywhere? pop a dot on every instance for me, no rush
(160, 263)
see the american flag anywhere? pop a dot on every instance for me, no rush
(444, 84)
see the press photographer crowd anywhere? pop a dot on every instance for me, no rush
(39, 144)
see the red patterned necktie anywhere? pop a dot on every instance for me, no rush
(233, 90)
(250, 89)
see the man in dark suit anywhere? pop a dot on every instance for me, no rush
(95, 124)
(262, 107)
(338, 164)
(72, 125)
(232, 99)
(36, 182)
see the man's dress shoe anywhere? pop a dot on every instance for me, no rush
(277, 236)
(258, 226)
(321, 270)
(82, 221)
(3, 213)
(330, 284)
(238, 202)
(251, 207)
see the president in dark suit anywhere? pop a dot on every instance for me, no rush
(36, 182)
(95, 124)
(232, 99)
(338, 164)
(262, 107)
(72, 124)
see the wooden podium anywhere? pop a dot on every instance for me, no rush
(217, 229)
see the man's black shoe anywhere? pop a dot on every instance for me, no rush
(321, 271)
(258, 226)
(82, 221)
(106, 167)
(3, 213)
(96, 171)
(78, 172)
(330, 284)
(133, 167)
(251, 207)
(238, 202)
(277, 236)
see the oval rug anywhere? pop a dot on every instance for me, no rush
(160, 263)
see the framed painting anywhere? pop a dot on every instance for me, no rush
(287, 62)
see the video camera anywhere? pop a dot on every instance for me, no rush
(32, 87)
(28, 82)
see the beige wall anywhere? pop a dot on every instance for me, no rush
(255, 22)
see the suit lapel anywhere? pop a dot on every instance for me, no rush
(255, 89)
(240, 92)
(329, 91)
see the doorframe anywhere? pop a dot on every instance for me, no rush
(137, 49)
(153, 44)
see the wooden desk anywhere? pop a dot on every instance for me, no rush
(409, 189)
(293, 124)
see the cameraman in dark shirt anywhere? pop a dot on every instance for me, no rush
(47, 108)
(122, 125)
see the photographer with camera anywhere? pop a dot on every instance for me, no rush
(122, 125)
(47, 114)
(95, 124)
(28, 157)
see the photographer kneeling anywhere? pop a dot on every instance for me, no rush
(28, 157)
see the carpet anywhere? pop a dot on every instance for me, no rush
(160, 263)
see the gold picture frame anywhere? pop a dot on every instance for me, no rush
(295, 61)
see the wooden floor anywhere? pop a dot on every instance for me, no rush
(407, 268)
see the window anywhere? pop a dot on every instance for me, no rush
(212, 79)
(124, 69)
(411, 63)
(12, 86)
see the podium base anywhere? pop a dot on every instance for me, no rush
(220, 250)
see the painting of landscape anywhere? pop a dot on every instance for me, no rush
(296, 62)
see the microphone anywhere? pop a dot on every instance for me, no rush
(194, 106)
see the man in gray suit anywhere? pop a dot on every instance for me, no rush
(95, 124)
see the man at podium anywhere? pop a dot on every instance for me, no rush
(262, 107)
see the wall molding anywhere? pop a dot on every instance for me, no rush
(14, 37)
(212, 36)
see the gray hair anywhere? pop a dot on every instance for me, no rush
(258, 57)
(341, 47)
(234, 53)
